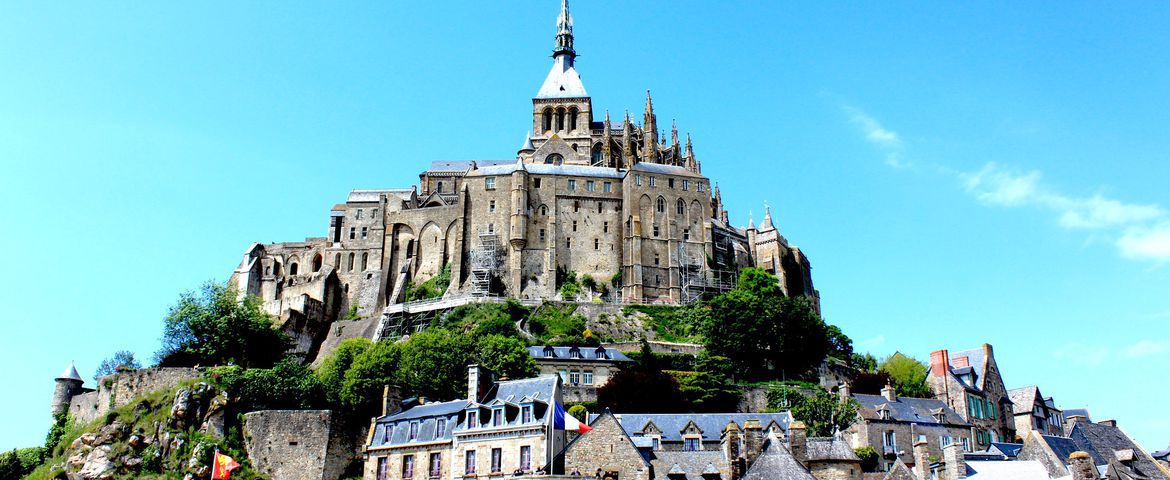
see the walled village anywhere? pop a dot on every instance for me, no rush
(585, 309)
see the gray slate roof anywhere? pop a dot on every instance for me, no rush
(1010, 450)
(1023, 399)
(777, 462)
(663, 169)
(549, 169)
(463, 165)
(975, 362)
(538, 352)
(70, 373)
(906, 409)
(829, 448)
(687, 465)
(711, 424)
(1103, 442)
(395, 429)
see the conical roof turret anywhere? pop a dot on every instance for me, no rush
(70, 373)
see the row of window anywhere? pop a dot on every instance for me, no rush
(577, 377)
(373, 212)
(353, 233)
(890, 441)
(979, 408)
(470, 463)
(489, 183)
(498, 419)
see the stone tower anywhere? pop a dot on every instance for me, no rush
(68, 384)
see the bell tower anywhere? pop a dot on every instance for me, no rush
(562, 107)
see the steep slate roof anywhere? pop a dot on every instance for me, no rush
(395, 429)
(562, 81)
(975, 361)
(587, 353)
(70, 373)
(663, 169)
(777, 462)
(829, 448)
(1023, 399)
(711, 424)
(463, 165)
(539, 388)
(1107, 444)
(687, 465)
(1010, 450)
(999, 470)
(906, 409)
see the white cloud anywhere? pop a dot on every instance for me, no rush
(885, 139)
(1081, 354)
(1146, 243)
(1140, 232)
(1146, 348)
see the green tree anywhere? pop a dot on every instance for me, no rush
(763, 333)
(122, 360)
(434, 363)
(822, 412)
(710, 389)
(864, 362)
(505, 356)
(288, 385)
(643, 387)
(869, 458)
(214, 327)
(579, 412)
(331, 373)
(361, 388)
(840, 345)
(907, 374)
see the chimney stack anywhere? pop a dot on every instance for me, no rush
(753, 440)
(1081, 466)
(888, 393)
(955, 464)
(922, 459)
(940, 361)
(1108, 423)
(479, 380)
(731, 448)
(798, 440)
(391, 399)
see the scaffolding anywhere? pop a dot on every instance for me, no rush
(698, 282)
(485, 262)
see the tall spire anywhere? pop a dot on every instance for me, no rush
(650, 132)
(690, 156)
(767, 224)
(627, 143)
(606, 139)
(564, 44)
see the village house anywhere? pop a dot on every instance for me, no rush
(969, 382)
(893, 425)
(1034, 412)
(582, 369)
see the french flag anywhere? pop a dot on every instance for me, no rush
(563, 421)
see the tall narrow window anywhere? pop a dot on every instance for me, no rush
(596, 244)
(546, 119)
(525, 458)
(637, 180)
(472, 419)
(572, 184)
(497, 460)
(670, 182)
(542, 234)
(653, 182)
(352, 233)
(350, 262)
(572, 118)
(381, 474)
(440, 188)
(574, 225)
(589, 185)
(492, 206)
(413, 431)
(560, 119)
(661, 205)
(680, 207)
(598, 207)
(605, 227)
(469, 462)
(365, 232)
(606, 187)
(292, 269)
(365, 260)
(526, 414)
(686, 185)
(407, 466)
(497, 417)
(576, 205)
(543, 210)
(568, 242)
(536, 183)
(440, 427)
(359, 214)
(436, 465)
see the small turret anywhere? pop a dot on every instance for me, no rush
(627, 142)
(526, 148)
(690, 156)
(68, 384)
(674, 146)
(606, 139)
(767, 223)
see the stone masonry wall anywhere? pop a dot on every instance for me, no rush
(119, 389)
(290, 444)
(606, 447)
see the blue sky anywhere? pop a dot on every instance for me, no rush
(958, 173)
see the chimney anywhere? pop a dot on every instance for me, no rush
(479, 380)
(730, 441)
(955, 464)
(753, 440)
(1072, 420)
(391, 399)
(1108, 423)
(940, 361)
(1081, 466)
(845, 391)
(922, 459)
(888, 392)
(798, 441)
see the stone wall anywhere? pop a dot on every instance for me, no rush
(835, 471)
(119, 389)
(606, 447)
(297, 444)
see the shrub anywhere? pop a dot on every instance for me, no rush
(433, 287)
(216, 328)
(869, 458)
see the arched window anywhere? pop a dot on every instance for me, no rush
(317, 263)
(440, 189)
(680, 207)
(365, 260)
(410, 248)
(661, 205)
(554, 159)
(547, 118)
(544, 210)
(351, 262)
(560, 119)
(337, 261)
(572, 118)
(595, 155)
(276, 268)
(292, 269)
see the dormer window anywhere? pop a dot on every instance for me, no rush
(472, 419)
(692, 443)
(440, 427)
(601, 354)
(526, 414)
(413, 431)
(548, 352)
(574, 353)
(497, 417)
(884, 414)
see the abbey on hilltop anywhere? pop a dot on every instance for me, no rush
(616, 201)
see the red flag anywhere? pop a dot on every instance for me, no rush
(221, 468)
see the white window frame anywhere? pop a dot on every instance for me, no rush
(489, 183)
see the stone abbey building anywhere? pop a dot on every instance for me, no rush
(615, 200)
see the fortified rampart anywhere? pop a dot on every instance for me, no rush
(120, 388)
